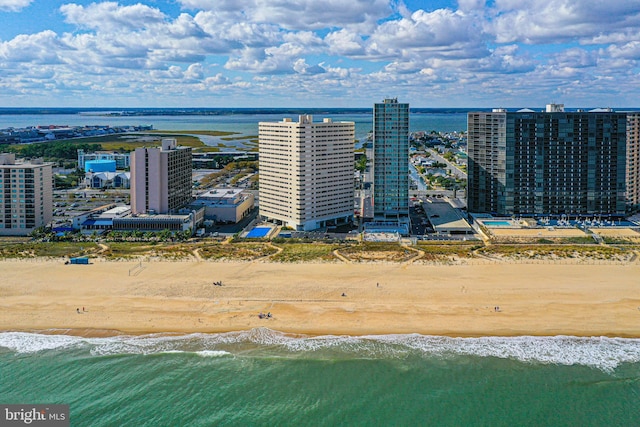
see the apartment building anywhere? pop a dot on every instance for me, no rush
(27, 195)
(306, 172)
(391, 162)
(548, 163)
(160, 178)
(633, 161)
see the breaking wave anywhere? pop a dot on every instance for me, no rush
(598, 352)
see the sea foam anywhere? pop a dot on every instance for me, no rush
(599, 352)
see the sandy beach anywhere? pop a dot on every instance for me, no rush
(457, 300)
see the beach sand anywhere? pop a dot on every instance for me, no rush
(456, 300)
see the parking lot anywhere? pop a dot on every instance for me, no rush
(69, 203)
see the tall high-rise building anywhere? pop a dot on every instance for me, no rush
(307, 172)
(160, 178)
(27, 195)
(547, 163)
(633, 161)
(391, 161)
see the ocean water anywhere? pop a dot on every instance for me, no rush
(265, 378)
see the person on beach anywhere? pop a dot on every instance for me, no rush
(78, 310)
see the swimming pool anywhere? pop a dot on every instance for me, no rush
(259, 232)
(493, 223)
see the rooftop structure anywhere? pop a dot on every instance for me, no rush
(445, 219)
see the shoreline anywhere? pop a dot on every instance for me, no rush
(180, 298)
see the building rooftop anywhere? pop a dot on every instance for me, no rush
(444, 217)
(221, 193)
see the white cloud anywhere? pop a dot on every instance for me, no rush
(299, 14)
(14, 5)
(553, 21)
(629, 50)
(345, 42)
(39, 48)
(300, 66)
(110, 16)
(442, 33)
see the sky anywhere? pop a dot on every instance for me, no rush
(319, 53)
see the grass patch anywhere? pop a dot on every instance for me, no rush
(437, 250)
(129, 142)
(126, 249)
(193, 132)
(591, 252)
(48, 249)
(236, 251)
(377, 251)
(239, 138)
(305, 252)
(207, 149)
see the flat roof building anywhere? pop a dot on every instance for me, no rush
(160, 178)
(549, 163)
(26, 190)
(306, 172)
(225, 204)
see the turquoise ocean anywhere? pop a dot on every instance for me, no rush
(266, 378)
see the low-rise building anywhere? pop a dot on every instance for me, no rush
(225, 204)
(154, 223)
(108, 180)
(99, 220)
(122, 160)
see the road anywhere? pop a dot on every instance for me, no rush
(415, 176)
(452, 167)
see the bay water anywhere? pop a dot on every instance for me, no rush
(241, 122)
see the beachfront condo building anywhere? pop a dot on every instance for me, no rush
(391, 162)
(547, 163)
(633, 161)
(160, 178)
(27, 195)
(306, 172)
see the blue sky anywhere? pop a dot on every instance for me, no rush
(310, 53)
